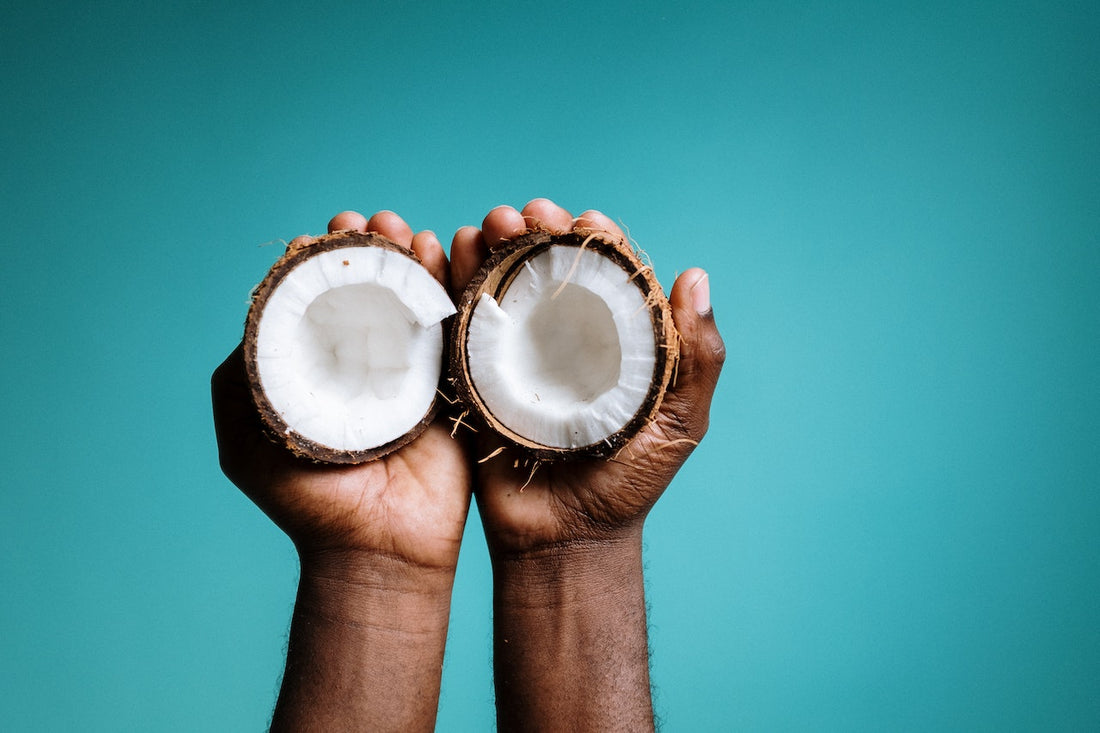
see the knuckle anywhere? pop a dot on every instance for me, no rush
(716, 348)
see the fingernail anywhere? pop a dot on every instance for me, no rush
(700, 295)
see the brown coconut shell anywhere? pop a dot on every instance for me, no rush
(277, 429)
(495, 277)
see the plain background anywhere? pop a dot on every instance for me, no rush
(894, 523)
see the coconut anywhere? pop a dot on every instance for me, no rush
(564, 344)
(344, 346)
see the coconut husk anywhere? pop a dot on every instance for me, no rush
(494, 279)
(276, 428)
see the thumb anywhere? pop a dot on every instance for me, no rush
(686, 407)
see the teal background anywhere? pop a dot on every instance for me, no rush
(894, 523)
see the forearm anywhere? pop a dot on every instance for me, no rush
(570, 642)
(366, 647)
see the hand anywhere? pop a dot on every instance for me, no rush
(595, 499)
(410, 506)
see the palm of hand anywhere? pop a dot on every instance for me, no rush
(576, 501)
(410, 505)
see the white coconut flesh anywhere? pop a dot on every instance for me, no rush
(350, 346)
(566, 358)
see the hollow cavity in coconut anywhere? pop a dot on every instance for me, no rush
(564, 344)
(344, 347)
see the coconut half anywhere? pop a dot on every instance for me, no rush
(564, 344)
(344, 347)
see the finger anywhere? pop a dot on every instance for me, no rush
(348, 220)
(593, 219)
(235, 416)
(231, 395)
(389, 224)
(501, 224)
(229, 379)
(546, 215)
(248, 457)
(300, 241)
(468, 251)
(426, 246)
(686, 407)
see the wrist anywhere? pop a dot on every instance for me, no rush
(569, 634)
(571, 572)
(364, 587)
(516, 534)
(367, 627)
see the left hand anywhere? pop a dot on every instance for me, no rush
(409, 506)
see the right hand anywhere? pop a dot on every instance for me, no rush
(593, 500)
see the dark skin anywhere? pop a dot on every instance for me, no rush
(570, 648)
(379, 542)
(378, 545)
